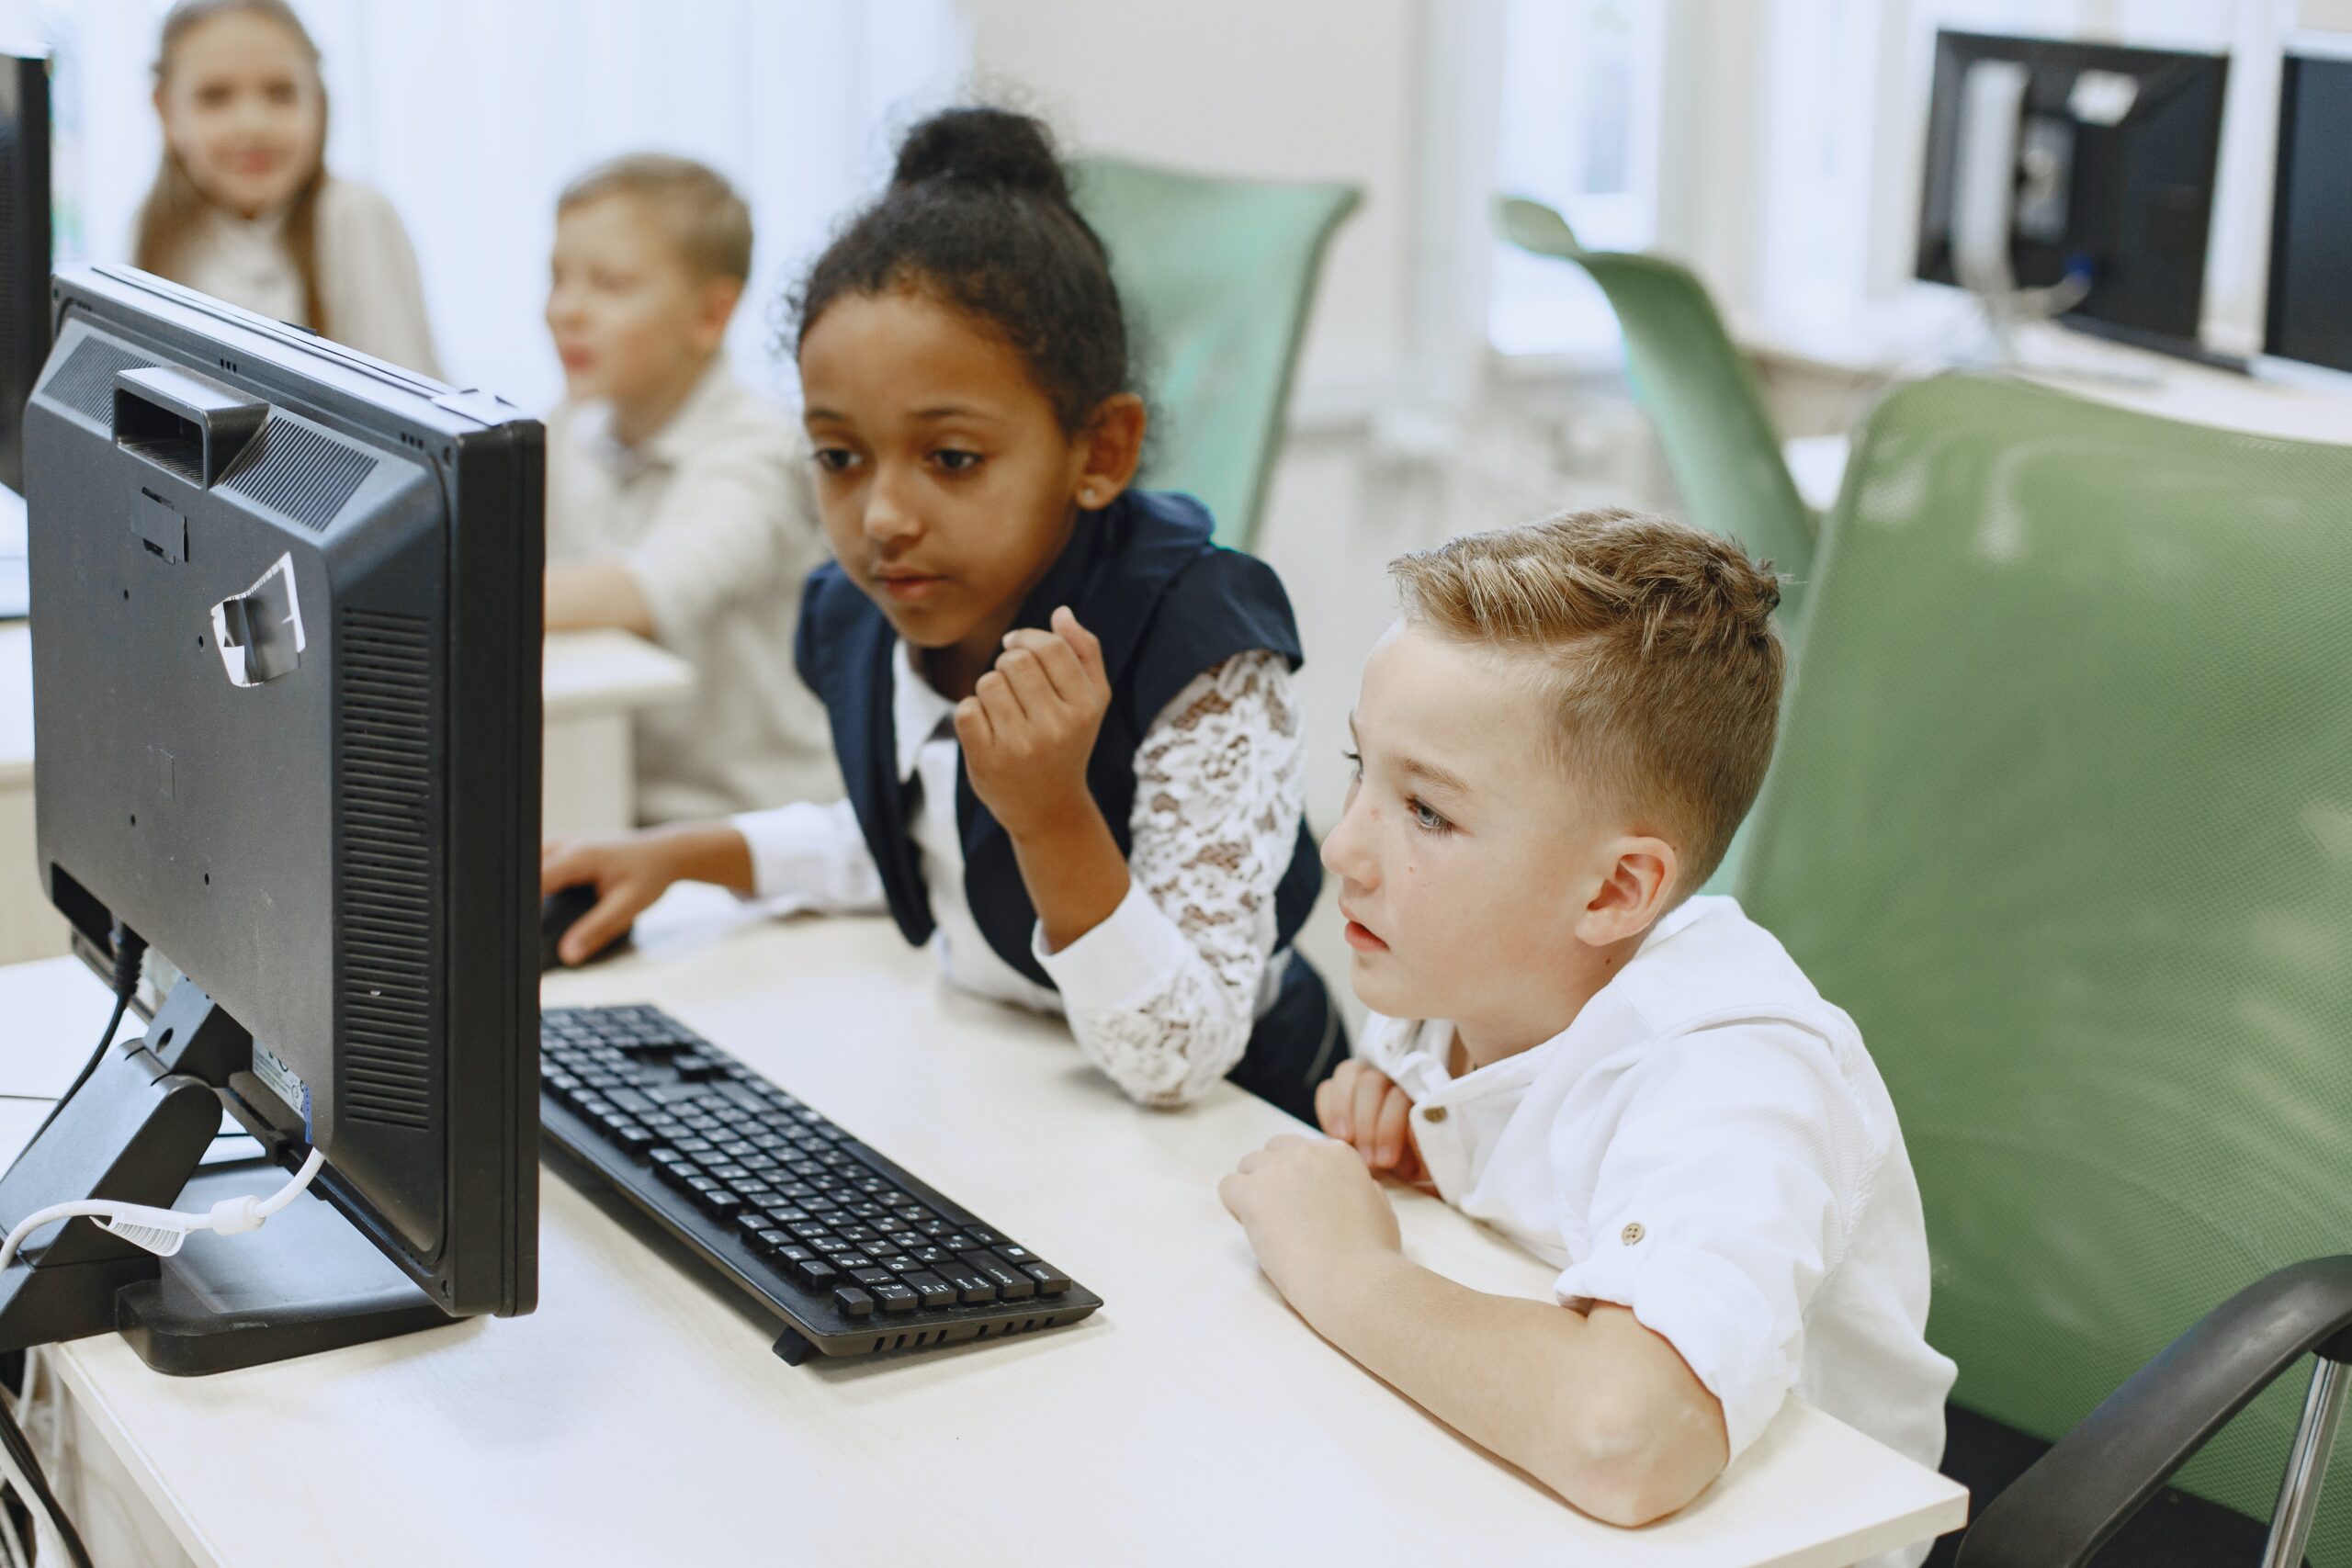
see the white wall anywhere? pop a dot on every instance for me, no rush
(1271, 89)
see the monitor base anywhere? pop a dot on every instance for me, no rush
(303, 1283)
(135, 1131)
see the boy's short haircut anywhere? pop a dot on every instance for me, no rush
(692, 202)
(1654, 643)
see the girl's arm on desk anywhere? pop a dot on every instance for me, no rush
(813, 851)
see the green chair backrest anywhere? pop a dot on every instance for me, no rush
(1222, 275)
(1700, 392)
(2063, 816)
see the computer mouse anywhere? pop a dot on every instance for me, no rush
(559, 912)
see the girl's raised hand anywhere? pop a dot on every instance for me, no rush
(1029, 726)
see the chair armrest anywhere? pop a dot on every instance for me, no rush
(2079, 1494)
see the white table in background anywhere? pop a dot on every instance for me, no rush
(594, 683)
(1823, 369)
(640, 1417)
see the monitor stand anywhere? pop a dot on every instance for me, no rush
(135, 1132)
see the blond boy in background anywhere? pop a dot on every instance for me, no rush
(679, 504)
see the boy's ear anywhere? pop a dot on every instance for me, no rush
(1110, 448)
(713, 308)
(1633, 894)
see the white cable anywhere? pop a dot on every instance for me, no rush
(160, 1231)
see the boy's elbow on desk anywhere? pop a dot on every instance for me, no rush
(1628, 1446)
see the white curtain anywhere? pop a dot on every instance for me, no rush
(471, 114)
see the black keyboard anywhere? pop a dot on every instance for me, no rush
(852, 1254)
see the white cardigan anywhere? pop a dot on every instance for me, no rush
(367, 276)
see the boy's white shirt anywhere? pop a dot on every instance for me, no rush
(1709, 1144)
(368, 274)
(714, 516)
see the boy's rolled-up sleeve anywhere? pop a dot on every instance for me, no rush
(734, 523)
(1736, 1162)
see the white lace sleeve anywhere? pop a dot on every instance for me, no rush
(1163, 995)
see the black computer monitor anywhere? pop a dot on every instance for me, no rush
(24, 247)
(2309, 312)
(285, 631)
(2112, 152)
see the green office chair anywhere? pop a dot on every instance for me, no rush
(2063, 815)
(1700, 392)
(1222, 273)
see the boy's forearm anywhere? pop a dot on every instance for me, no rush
(1074, 872)
(583, 594)
(1548, 1389)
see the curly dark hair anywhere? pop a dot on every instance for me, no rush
(978, 215)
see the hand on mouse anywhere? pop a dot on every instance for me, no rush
(629, 871)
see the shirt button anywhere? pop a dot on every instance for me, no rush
(1434, 1113)
(1632, 1234)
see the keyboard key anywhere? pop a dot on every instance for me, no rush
(871, 1276)
(895, 1298)
(1011, 1283)
(854, 1301)
(814, 1274)
(1051, 1281)
(971, 1287)
(933, 1291)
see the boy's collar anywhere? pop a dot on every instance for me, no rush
(1676, 920)
(1666, 925)
(671, 444)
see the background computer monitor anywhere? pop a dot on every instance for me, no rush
(24, 247)
(2115, 156)
(331, 824)
(2310, 312)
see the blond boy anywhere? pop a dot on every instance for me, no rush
(1557, 742)
(679, 504)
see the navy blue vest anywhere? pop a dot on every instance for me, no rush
(1166, 605)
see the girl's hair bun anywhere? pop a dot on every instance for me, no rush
(982, 147)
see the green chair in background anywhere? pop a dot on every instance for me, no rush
(1222, 273)
(2063, 816)
(1700, 392)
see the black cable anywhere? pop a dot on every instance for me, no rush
(130, 952)
(13, 1436)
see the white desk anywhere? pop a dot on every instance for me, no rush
(1823, 370)
(594, 682)
(637, 1417)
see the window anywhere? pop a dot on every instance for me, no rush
(1580, 90)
